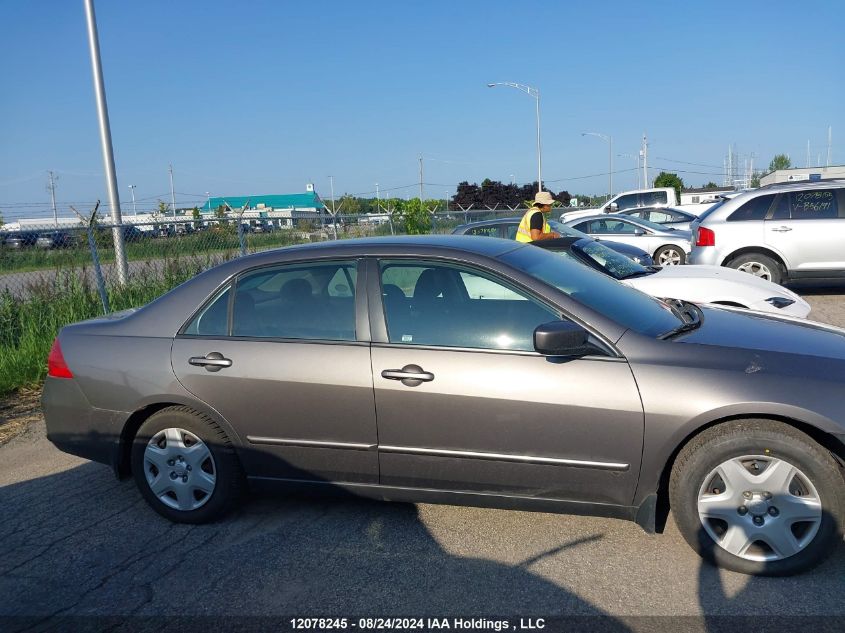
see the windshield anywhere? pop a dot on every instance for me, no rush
(628, 307)
(566, 231)
(616, 265)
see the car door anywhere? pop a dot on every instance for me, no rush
(283, 354)
(464, 403)
(808, 228)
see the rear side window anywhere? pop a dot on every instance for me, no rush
(813, 205)
(627, 202)
(754, 209)
(213, 320)
(486, 231)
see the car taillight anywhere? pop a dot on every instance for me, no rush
(56, 365)
(706, 237)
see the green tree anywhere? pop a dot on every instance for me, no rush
(349, 205)
(195, 213)
(755, 179)
(413, 215)
(780, 161)
(711, 185)
(666, 179)
(2, 222)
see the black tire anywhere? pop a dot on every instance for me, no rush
(230, 482)
(768, 268)
(773, 439)
(670, 251)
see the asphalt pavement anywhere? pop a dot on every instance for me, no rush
(75, 541)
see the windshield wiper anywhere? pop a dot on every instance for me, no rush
(638, 273)
(684, 309)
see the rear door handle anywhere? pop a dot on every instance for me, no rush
(213, 361)
(410, 375)
(782, 229)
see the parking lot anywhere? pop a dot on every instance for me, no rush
(78, 542)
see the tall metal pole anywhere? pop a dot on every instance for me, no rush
(172, 195)
(645, 162)
(105, 142)
(134, 208)
(53, 199)
(378, 200)
(334, 212)
(829, 143)
(609, 140)
(421, 179)
(533, 92)
(610, 157)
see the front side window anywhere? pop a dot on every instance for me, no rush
(314, 301)
(626, 202)
(620, 227)
(486, 231)
(753, 210)
(651, 198)
(444, 305)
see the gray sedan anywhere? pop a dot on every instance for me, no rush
(449, 369)
(668, 246)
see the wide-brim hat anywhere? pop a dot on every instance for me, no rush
(543, 197)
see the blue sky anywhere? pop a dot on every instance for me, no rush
(263, 96)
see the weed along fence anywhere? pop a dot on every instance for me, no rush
(60, 272)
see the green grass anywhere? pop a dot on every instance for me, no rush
(28, 327)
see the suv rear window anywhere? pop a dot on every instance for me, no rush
(754, 209)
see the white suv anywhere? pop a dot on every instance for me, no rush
(779, 232)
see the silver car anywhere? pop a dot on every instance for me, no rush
(668, 217)
(781, 232)
(453, 369)
(668, 247)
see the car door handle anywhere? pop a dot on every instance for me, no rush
(410, 375)
(213, 361)
(782, 229)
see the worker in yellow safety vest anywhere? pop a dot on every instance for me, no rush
(535, 225)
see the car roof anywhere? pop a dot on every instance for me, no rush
(489, 222)
(802, 184)
(608, 216)
(655, 207)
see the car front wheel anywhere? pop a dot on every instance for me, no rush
(185, 467)
(758, 497)
(669, 256)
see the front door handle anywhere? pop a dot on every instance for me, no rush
(410, 375)
(213, 361)
(782, 229)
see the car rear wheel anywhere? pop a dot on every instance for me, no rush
(669, 256)
(758, 265)
(185, 467)
(758, 497)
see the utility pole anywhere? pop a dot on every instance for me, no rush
(378, 200)
(829, 143)
(808, 153)
(645, 161)
(421, 179)
(52, 188)
(334, 212)
(134, 208)
(172, 195)
(105, 142)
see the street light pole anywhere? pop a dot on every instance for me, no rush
(532, 92)
(134, 209)
(609, 140)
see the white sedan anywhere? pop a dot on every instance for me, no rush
(699, 284)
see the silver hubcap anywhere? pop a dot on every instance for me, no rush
(757, 269)
(669, 257)
(179, 469)
(759, 508)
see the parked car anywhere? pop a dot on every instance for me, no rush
(699, 284)
(669, 217)
(132, 233)
(668, 247)
(55, 239)
(506, 228)
(21, 239)
(365, 366)
(784, 232)
(637, 199)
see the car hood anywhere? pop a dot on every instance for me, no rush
(766, 333)
(719, 276)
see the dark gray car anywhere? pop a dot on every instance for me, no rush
(451, 369)
(506, 228)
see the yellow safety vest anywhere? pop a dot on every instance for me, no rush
(523, 233)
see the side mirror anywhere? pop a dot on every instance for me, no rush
(639, 232)
(613, 208)
(562, 338)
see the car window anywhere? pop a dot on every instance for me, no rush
(213, 319)
(662, 216)
(314, 301)
(638, 214)
(614, 264)
(649, 198)
(628, 307)
(626, 202)
(819, 204)
(621, 227)
(490, 230)
(454, 306)
(754, 209)
(511, 230)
